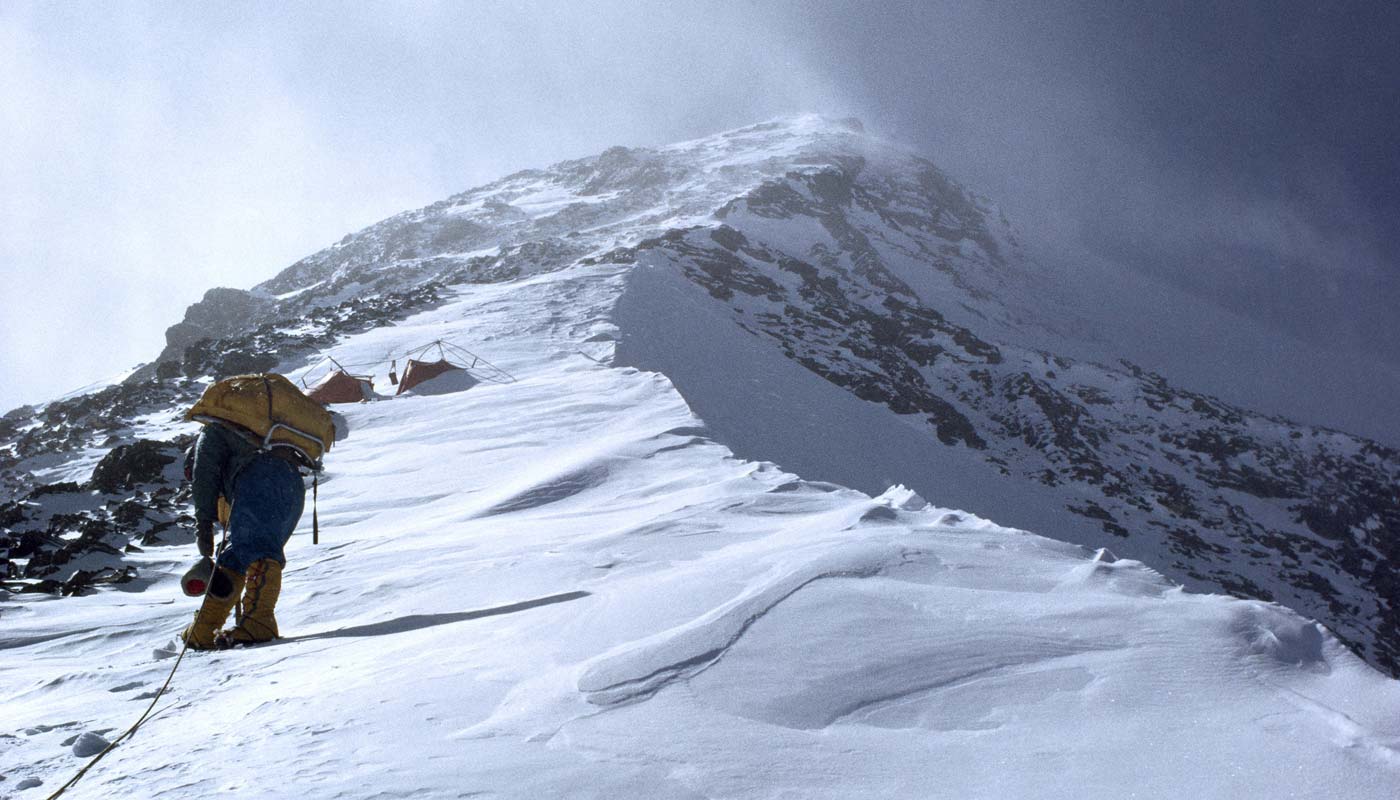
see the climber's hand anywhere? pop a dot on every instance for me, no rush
(204, 537)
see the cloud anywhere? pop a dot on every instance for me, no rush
(149, 153)
(1248, 158)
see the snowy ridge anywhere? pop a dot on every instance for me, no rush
(595, 582)
(561, 587)
(540, 219)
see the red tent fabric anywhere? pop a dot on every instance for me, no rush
(341, 387)
(418, 371)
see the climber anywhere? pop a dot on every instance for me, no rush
(260, 433)
(266, 499)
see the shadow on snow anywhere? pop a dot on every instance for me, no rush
(416, 622)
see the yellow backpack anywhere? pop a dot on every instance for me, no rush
(272, 409)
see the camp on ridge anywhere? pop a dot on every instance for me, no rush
(462, 368)
(339, 385)
(454, 369)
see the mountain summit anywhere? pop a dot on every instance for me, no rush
(727, 533)
(842, 307)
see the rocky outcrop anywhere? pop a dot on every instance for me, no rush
(130, 465)
(222, 313)
(68, 538)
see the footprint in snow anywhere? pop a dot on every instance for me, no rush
(126, 687)
(90, 744)
(38, 729)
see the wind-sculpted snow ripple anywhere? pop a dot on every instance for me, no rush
(637, 670)
(554, 490)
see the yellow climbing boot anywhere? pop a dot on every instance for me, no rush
(224, 588)
(255, 621)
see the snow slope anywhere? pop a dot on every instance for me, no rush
(560, 587)
(810, 290)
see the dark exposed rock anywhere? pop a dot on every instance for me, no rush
(951, 425)
(222, 312)
(26, 544)
(11, 514)
(1336, 519)
(458, 233)
(129, 465)
(66, 487)
(129, 513)
(84, 580)
(1092, 510)
(153, 536)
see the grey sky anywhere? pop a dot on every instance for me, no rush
(150, 153)
(1247, 152)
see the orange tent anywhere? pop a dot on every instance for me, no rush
(418, 371)
(341, 387)
(469, 368)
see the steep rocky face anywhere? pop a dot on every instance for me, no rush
(221, 313)
(1222, 499)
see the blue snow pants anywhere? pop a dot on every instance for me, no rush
(268, 497)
